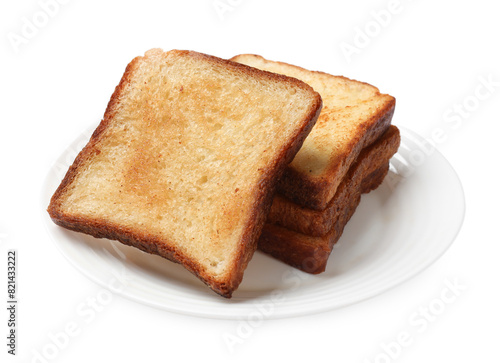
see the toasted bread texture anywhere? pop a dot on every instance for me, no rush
(310, 253)
(318, 223)
(186, 159)
(354, 115)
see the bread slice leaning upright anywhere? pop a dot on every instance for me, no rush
(185, 161)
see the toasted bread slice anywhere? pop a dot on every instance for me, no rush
(185, 162)
(309, 253)
(318, 223)
(354, 115)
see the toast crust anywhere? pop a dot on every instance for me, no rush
(317, 193)
(310, 253)
(311, 190)
(318, 223)
(262, 193)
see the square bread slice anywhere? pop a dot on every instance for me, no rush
(310, 253)
(354, 115)
(186, 159)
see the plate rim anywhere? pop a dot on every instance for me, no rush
(225, 308)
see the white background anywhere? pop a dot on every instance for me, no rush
(430, 55)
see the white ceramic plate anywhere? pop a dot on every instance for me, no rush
(397, 231)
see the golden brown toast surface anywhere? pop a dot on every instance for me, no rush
(186, 159)
(354, 115)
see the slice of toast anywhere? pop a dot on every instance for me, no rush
(309, 253)
(354, 115)
(186, 159)
(318, 223)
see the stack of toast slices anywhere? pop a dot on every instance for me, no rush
(346, 154)
(203, 160)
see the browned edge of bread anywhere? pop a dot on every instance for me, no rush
(149, 243)
(317, 194)
(318, 223)
(235, 59)
(308, 253)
